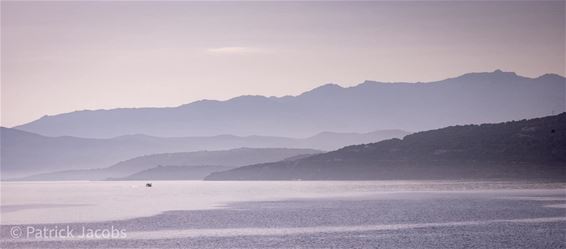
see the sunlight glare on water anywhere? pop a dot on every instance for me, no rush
(84, 201)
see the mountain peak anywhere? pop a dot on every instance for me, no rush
(551, 76)
(248, 98)
(497, 74)
(329, 87)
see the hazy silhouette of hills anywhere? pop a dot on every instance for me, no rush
(471, 98)
(25, 153)
(534, 148)
(174, 173)
(226, 158)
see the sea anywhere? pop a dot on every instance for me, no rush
(283, 214)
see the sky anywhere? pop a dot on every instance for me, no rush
(59, 57)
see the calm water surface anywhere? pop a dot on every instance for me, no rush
(83, 201)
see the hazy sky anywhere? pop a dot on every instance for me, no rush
(64, 56)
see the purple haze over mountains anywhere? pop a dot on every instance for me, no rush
(471, 98)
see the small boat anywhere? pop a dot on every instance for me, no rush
(149, 185)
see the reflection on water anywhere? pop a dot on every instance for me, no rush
(286, 231)
(51, 202)
(13, 208)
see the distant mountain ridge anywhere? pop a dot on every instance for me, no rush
(173, 173)
(204, 161)
(526, 149)
(25, 153)
(471, 98)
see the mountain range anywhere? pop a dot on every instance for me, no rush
(468, 99)
(173, 173)
(195, 164)
(525, 149)
(25, 153)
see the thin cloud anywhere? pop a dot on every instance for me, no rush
(235, 50)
